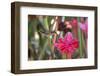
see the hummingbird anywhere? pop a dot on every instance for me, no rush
(48, 33)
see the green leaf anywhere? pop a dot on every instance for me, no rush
(46, 26)
(42, 50)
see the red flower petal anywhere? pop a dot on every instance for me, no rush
(68, 44)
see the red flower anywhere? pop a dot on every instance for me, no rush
(84, 26)
(67, 44)
(74, 22)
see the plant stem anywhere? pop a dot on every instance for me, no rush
(80, 41)
(69, 56)
(64, 56)
(84, 45)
